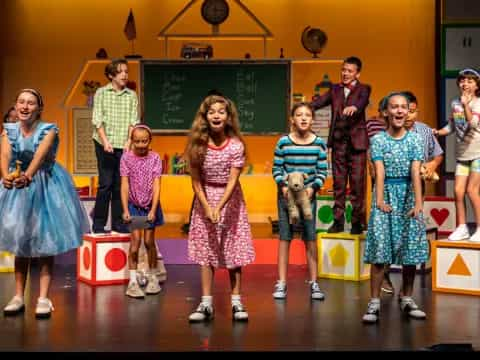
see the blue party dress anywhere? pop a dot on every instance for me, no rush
(46, 218)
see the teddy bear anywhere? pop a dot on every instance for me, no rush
(297, 197)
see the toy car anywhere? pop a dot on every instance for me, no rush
(196, 50)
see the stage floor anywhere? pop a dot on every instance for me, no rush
(103, 319)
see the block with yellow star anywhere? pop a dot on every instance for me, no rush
(340, 256)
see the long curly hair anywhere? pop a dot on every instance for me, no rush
(197, 144)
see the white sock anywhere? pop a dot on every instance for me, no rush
(207, 300)
(236, 300)
(375, 301)
(133, 276)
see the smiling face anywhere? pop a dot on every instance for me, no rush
(27, 107)
(397, 111)
(350, 73)
(217, 116)
(140, 141)
(412, 115)
(468, 85)
(302, 119)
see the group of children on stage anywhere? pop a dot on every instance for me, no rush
(42, 215)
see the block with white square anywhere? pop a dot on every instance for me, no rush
(103, 259)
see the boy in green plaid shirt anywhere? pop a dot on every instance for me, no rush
(115, 112)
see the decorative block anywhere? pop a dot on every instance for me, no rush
(7, 262)
(440, 213)
(340, 256)
(103, 259)
(325, 213)
(456, 267)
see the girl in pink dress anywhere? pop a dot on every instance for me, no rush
(220, 235)
(140, 171)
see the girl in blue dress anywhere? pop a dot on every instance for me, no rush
(39, 206)
(396, 230)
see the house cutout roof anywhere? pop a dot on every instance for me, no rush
(259, 30)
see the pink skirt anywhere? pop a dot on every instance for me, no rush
(225, 244)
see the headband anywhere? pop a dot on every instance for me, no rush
(469, 71)
(144, 127)
(34, 93)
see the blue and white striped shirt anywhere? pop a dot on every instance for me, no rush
(310, 159)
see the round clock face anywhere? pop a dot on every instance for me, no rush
(215, 12)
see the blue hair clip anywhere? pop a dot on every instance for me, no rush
(469, 71)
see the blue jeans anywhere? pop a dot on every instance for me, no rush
(309, 232)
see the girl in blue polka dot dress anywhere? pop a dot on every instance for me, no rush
(396, 230)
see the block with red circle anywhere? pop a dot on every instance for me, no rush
(103, 259)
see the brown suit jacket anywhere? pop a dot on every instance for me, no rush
(357, 128)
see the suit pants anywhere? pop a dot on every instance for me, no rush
(349, 166)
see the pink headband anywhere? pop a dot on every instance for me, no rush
(144, 127)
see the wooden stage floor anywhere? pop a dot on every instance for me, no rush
(103, 319)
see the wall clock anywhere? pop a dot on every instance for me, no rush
(215, 12)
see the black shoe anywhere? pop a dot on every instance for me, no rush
(122, 229)
(357, 229)
(336, 228)
(99, 230)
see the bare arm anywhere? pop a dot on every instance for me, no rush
(155, 199)
(124, 185)
(380, 185)
(232, 181)
(128, 143)
(199, 192)
(106, 144)
(417, 188)
(6, 155)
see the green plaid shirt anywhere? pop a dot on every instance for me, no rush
(116, 111)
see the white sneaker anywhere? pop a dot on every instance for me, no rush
(14, 306)
(44, 308)
(411, 309)
(315, 292)
(373, 312)
(460, 233)
(476, 236)
(280, 290)
(204, 312)
(153, 287)
(239, 312)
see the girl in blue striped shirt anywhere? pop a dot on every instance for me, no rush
(299, 151)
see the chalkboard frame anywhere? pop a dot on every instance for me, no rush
(196, 62)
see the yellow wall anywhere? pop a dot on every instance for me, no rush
(47, 42)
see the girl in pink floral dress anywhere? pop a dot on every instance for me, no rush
(220, 235)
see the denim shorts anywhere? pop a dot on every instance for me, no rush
(286, 230)
(139, 211)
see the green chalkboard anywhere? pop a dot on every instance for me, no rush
(173, 90)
